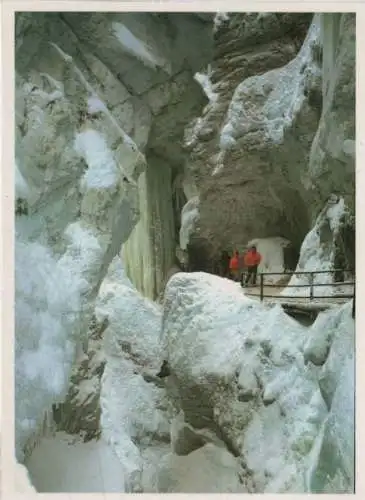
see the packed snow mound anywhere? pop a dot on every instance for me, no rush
(318, 253)
(245, 362)
(134, 412)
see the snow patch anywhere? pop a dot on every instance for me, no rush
(219, 19)
(23, 483)
(103, 171)
(95, 105)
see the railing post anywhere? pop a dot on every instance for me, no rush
(311, 280)
(353, 303)
(261, 287)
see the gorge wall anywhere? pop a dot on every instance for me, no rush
(275, 140)
(96, 94)
(277, 137)
(117, 155)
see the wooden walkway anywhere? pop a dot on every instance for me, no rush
(307, 302)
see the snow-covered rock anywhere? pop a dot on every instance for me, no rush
(334, 454)
(79, 412)
(241, 369)
(264, 106)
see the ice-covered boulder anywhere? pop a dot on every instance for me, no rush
(210, 469)
(240, 369)
(135, 411)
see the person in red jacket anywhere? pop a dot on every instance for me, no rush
(234, 266)
(252, 259)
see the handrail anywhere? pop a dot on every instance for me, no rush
(291, 273)
(339, 283)
(311, 285)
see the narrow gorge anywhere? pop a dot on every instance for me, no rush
(146, 146)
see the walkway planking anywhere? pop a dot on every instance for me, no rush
(297, 302)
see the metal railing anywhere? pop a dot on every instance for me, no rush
(311, 285)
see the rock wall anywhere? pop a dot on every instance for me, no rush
(332, 156)
(94, 92)
(245, 148)
(277, 137)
